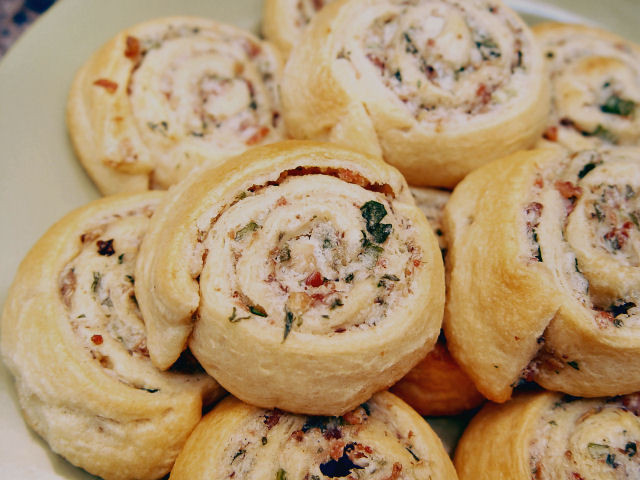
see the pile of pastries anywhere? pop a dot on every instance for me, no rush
(426, 197)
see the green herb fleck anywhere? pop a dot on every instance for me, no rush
(253, 105)
(586, 169)
(617, 106)
(336, 303)
(598, 212)
(597, 450)
(410, 48)
(602, 133)
(398, 76)
(150, 390)
(97, 278)
(631, 449)
(349, 278)
(264, 440)
(553, 422)
(241, 196)
(373, 212)
(288, 322)
(281, 474)
(249, 227)
(611, 461)
(258, 310)
(417, 459)
(120, 258)
(234, 319)
(131, 279)
(284, 254)
(82, 315)
(161, 127)
(634, 218)
(383, 280)
(327, 243)
(573, 364)
(240, 452)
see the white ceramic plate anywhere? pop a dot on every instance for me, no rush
(40, 179)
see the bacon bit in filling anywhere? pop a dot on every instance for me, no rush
(484, 94)
(395, 473)
(604, 319)
(258, 136)
(252, 49)
(617, 237)
(336, 448)
(133, 48)
(551, 134)
(109, 85)
(96, 339)
(632, 403)
(272, 419)
(568, 190)
(105, 247)
(297, 435)
(318, 4)
(377, 62)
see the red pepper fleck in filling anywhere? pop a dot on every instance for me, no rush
(133, 48)
(96, 339)
(258, 136)
(551, 134)
(109, 85)
(314, 280)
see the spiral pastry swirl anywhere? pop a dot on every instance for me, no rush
(595, 80)
(308, 262)
(162, 96)
(72, 310)
(437, 88)
(546, 436)
(381, 439)
(544, 273)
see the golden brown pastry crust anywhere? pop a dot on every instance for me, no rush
(382, 439)
(162, 96)
(435, 88)
(595, 85)
(437, 385)
(308, 262)
(541, 265)
(548, 436)
(73, 339)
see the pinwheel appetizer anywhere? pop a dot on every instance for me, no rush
(437, 385)
(437, 88)
(543, 273)
(548, 436)
(381, 439)
(74, 339)
(301, 275)
(595, 78)
(284, 21)
(162, 96)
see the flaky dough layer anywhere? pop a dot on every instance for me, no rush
(381, 439)
(164, 96)
(302, 276)
(548, 436)
(73, 338)
(435, 88)
(595, 85)
(543, 273)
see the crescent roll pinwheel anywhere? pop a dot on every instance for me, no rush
(544, 273)
(381, 439)
(437, 88)
(284, 21)
(548, 436)
(595, 79)
(301, 275)
(73, 338)
(162, 96)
